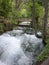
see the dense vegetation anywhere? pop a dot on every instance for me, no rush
(11, 10)
(45, 54)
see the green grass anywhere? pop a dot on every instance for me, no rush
(45, 53)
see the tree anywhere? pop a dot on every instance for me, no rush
(18, 2)
(5, 7)
(45, 20)
(33, 23)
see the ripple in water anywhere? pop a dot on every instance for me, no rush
(18, 48)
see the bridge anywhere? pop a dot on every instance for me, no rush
(18, 20)
(23, 19)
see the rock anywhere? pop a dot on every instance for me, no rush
(46, 62)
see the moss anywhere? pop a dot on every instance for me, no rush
(45, 53)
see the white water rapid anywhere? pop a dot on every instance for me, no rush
(18, 48)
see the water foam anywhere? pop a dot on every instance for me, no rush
(21, 49)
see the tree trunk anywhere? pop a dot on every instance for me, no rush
(18, 2)
(45, 21)
(33, 24)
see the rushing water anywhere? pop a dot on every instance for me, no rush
(19, 48)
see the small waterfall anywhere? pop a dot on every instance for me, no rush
(19, 48)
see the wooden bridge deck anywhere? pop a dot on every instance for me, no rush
(23, 19)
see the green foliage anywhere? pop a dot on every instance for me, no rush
(22, 13)
(45, 53)
(5, 7)
(26, 9)
(8, 9)
(29, 9)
